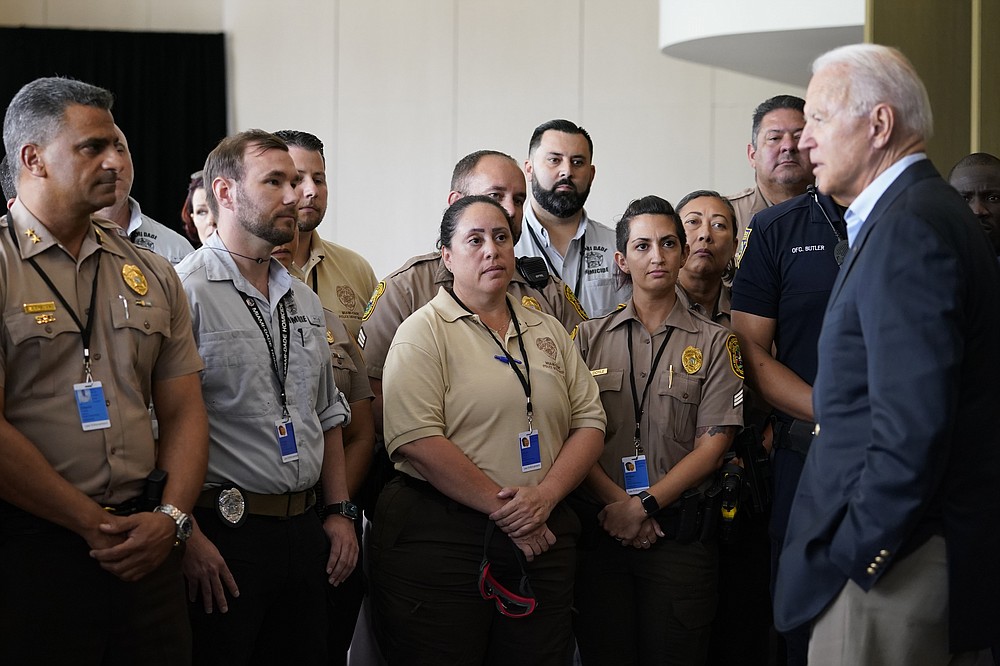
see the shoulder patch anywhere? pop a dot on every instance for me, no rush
(531, 302)
(735, 355)
(379, 290)
(571, 297)
(742, 246)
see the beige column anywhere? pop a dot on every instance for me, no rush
(955, 47)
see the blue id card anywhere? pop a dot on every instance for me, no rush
(284, 429)
(91, 405)
(531, 452)
(636, 478)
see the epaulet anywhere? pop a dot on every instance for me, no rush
(413, 261)
(621, 306)
(741, 194)
(575, 302)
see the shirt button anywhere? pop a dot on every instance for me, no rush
(642, 374)
(685, 396)
(114, 451)
(97, 356)
(145, 324)
(645, 341)
(48, 329)
(107, 403)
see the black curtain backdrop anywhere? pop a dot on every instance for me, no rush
(170, 97)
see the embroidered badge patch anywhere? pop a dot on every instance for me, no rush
(379, 290)
(691, 359)
(548, 346)
(346, 296)
(735, 356)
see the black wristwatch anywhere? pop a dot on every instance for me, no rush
(347, 509)
(649, 504)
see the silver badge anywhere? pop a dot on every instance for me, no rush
(231, 506)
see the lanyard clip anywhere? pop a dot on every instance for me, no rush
(87, 377)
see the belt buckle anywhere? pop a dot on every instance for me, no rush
(231, 506)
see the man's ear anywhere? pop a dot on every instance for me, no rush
(32, 160)
(224, 191)
(883, 120)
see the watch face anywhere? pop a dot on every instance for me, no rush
(184, 528)
(351, 510)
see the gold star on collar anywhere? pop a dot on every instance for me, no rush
(30, 233)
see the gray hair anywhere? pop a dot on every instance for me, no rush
(881, 74)
(37, 112)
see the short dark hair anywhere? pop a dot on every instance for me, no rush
(647, 205)
(467, 165)
(303, 140)
(7, 179)
(38, 111)
(226, 159)
(454, 212)
(976, 159)
(697, 194)
(773, 104)
(558, 125)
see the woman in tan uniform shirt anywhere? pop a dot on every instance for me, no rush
(671, 384)
(492, 418)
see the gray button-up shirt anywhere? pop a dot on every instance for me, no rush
(241, 390)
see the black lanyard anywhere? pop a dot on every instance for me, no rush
(524, 378)
(840, 251)
(637, 405)
(282, 374)
(85, 330)
(548, 260)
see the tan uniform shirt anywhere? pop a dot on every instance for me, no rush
(342, 278)
(747, 203)
(416, 283)
(698, 382)
(442, 378)
(721, 315)
(141, 334)
(349, 372)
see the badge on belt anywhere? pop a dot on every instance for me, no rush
(231, 506)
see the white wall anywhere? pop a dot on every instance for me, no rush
(400, 90)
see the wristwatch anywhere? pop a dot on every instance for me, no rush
(649, 504)
(183, 521)
(347, 509)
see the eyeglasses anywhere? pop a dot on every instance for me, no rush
(507, 602)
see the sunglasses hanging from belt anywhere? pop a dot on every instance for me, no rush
(507, 602)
